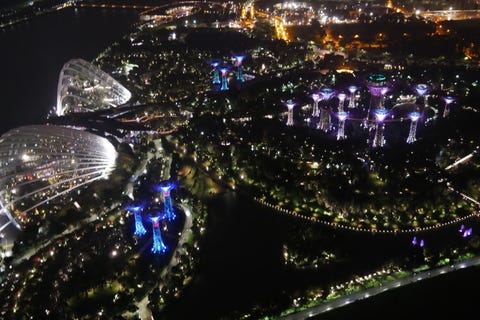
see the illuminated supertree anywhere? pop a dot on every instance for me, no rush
(224, 72)
(158, 245)
(422, 90)
(139, 228)
(341, 100)
(325, 121)
(290, 105)
(448, 100)
(353, 91)
(414, 116)
(216, 74)
(377, 85)
(238, 64)
(316, 98)
(168, 212)
(378, 139)
(342, 116)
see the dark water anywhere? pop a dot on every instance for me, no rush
(242, 266)
(33, 53)
(241, 263)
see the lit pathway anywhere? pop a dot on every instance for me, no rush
(380, 231)
(340, 302)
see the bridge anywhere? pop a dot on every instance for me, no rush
(113, 6)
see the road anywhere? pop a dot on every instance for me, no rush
(340, 302)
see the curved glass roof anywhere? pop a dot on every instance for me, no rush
(39, 163)
(83, 87)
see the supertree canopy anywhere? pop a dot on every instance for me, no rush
(84, 87)
(40, 163)
(158, 245)
(137, 212)
(168, 211)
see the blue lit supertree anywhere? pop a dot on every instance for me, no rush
(139, 228)
(158, 245)
(224, 72)
(238, 64)
(168, 212)
(216, 74)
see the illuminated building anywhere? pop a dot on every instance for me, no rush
(414, 116)
(353, 91)
(158, 245)
(378, 139)
(40, 163)
(448, 100)
(315, 98)
(342, 116)
(83, 87)
(168, 212)
(341, 100)
(290, 105)
(238, 64)
(325, 120)
(224, 72)
(139, 228)
(216, 74)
